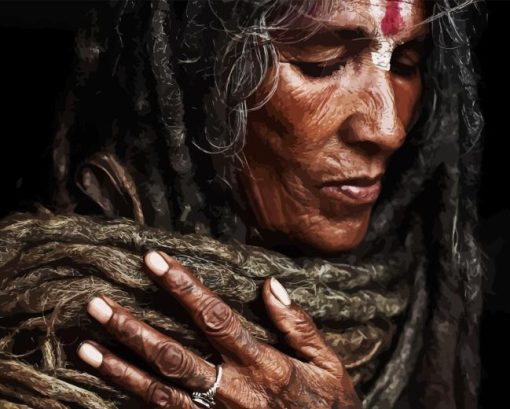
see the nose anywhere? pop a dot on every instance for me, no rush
(375, 121)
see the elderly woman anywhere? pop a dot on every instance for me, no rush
(300, 178)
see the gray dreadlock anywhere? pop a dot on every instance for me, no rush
(157, 108)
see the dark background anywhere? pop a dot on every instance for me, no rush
(36, 46)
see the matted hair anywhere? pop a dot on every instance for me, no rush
(159, 92)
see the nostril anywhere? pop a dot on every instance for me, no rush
(369, 148)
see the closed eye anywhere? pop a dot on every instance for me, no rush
(320, 69)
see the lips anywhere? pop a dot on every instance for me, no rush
(360, 190)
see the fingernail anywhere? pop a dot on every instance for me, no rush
(279, 292)
(90, 355)
(99, 310)
(157, 263)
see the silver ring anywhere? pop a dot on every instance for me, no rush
(206, 399)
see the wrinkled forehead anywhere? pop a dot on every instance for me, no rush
(384, 18)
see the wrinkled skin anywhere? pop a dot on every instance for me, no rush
(340, 123)
(335, 114)
(256, 375)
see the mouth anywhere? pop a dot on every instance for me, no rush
(358, 190)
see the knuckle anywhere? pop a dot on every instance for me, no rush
(302, 317)
(116, 370)
(218, 318)
(152, 393)
(307, 335)
(304, 326)
(180, 281)
(159, 395)
(124, 327)
(172, 361)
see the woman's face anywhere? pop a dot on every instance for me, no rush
(345, 100)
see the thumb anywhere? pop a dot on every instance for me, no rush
(299, 329)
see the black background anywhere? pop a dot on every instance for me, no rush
(36, 48)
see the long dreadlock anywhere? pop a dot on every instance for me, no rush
(172, 167)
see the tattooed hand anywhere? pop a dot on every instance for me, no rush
(255, 375)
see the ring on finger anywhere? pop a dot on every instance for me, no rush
(206, 399)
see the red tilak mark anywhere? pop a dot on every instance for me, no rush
(392, 22)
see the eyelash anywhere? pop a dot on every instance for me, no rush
(319, 69)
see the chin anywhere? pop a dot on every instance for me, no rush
(345, 241)
(330, 238)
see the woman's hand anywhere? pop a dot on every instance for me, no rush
(255, 375)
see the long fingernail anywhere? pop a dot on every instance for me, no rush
(156, 263)
(90, 355)
(279, 292)
(100, 310)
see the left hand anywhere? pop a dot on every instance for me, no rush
(255, 374)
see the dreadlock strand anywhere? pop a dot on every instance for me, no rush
(49, 386)
(170, 103)
(26, 396)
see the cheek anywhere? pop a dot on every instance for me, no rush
(303, 112)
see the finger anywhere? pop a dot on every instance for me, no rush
(215, 318)
(163, 353)
(132, 379)
(299, 329)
